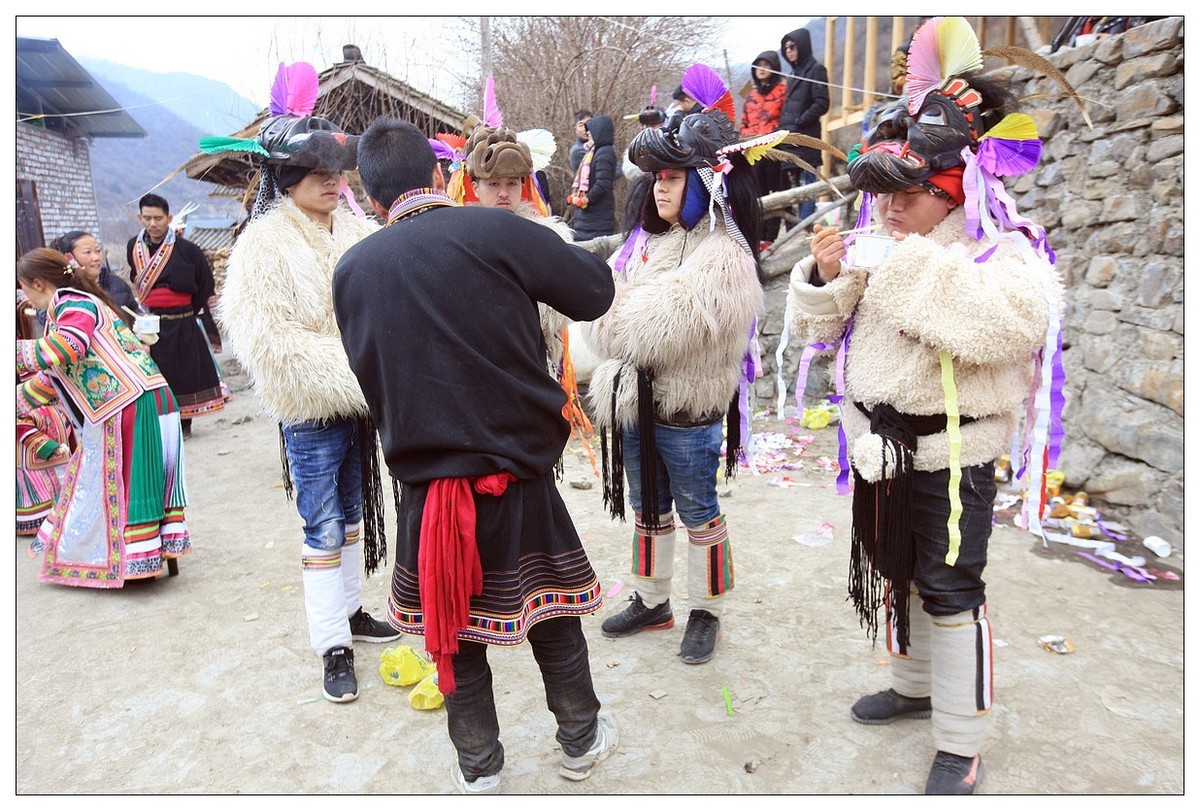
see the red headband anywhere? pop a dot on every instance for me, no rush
(951, 182)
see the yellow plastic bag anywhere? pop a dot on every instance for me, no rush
(816, 418)
(426, 695)
(401, 666)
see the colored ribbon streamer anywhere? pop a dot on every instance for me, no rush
(955, 437)
(843, 479)
(780, 383)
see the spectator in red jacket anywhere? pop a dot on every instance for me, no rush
(760, 116)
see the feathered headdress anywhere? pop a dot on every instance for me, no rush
(293, 137)
(705, 85)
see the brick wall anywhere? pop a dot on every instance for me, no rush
(62, 170)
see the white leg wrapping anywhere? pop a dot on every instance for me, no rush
(911, 675)
(654, 561)
(324, 600)
(352, 568)
(961, 647)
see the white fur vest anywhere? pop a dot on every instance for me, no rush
(276, 313)
(684, 310)
(931, 295)
(553, 322)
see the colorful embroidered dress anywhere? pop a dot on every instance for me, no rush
(120, 513)
(43, 445)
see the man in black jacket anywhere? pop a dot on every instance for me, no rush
(807, 100)
(438, 314)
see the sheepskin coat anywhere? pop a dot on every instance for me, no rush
(553, 322)
(684, 309)
(276, 313)
(930, 295)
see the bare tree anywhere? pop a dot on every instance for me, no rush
(547, 68)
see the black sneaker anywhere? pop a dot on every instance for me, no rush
(365, 628)
(340, 684)
(700, 637)
(637, 617)
(954, 774)
(888, 706)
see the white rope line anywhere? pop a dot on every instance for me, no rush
(39, 116)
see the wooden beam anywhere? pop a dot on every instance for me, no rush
(848, 57)
(870, 62)
(830, 52)
(899, 35)
(1033, 37)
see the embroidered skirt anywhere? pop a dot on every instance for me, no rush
(120, 512)
(534, 566)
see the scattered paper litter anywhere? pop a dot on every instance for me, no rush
(821, 536)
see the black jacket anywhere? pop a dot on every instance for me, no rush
(806, 101)
(439, 318)
(600, 216)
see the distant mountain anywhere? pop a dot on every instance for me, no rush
(209, 105)
(175, 109)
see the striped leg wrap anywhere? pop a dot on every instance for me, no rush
(710, 560)
(654, 559)
(654, 549)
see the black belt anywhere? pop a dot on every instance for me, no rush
(922, 425)
(685, 419)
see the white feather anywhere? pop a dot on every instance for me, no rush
(541, 146)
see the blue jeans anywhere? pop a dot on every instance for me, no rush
(562, 655)
(686, 467)
(808, 206)
(947, 590)
(324, 457)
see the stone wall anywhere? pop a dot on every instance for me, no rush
(61, 168)
(1111, 199)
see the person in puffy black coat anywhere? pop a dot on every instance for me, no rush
(593, 185)
(807, 100)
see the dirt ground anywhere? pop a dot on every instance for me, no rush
(204, 683)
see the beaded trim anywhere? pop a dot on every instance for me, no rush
(415, 201)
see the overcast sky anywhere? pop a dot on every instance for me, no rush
(244, 52)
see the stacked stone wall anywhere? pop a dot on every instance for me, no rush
(1111, 198)
(61, 168)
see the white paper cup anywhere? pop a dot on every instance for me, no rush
(1157, 545)
(869, 250)
(146, 324)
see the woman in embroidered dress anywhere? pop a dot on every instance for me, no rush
(120, 514)
(43, 444)
(674, 343)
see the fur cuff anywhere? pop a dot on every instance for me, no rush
(874, 459)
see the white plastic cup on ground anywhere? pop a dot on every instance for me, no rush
(1157, 545)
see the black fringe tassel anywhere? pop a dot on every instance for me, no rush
(733, 438)
(613, 465)
(882, 548)
(288, 488)
(374, 535)
(649, 450)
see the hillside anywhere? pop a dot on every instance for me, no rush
(175, 109)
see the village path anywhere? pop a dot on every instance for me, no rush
(204, 683)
